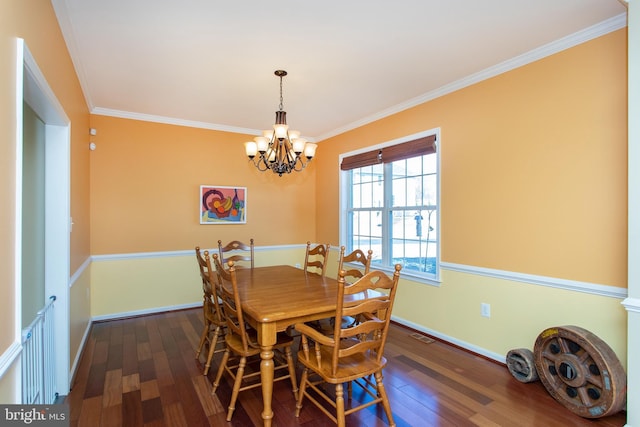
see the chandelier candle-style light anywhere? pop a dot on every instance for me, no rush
(280, 150)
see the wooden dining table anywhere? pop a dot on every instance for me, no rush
(274, 298)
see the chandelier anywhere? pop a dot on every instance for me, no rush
(280, 150)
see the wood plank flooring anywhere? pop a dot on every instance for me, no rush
(142, 372)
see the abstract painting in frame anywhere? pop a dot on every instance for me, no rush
(223, 205)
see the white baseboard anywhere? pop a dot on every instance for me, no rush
(81, 347)
(462, 344)
(153, 310)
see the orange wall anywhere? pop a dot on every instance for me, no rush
(35, 22)
(145, 182)
(39, 27)
(533, 166)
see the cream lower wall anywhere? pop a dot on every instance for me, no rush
(519, 311)
(133, 285)
(138, 283)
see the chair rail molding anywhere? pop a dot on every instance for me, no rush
(180, 253)
(8, 358)
(552, 282)
(632, 304)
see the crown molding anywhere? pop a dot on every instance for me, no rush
(600, 29)
(62, 15)
(171, 121)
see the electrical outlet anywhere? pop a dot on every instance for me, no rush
(485, 309)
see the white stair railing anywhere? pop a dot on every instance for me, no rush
(38, 359)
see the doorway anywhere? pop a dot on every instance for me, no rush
(34, 91)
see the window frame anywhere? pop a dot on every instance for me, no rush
(344, 192)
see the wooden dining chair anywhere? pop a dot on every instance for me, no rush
(242, 341)
(214, 323)
(315, 259)
(353, 354)
(236, 251)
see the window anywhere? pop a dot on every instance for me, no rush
(390, 204)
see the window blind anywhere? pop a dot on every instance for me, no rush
(362, 159)
(405, 150)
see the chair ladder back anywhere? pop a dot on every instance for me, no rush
(213, 316)
(357, 256)
(205, 270)
(236, 251)
(316, 258)
(211, 287)
(232, 305)
(202, 264)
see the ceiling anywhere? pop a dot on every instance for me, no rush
(210, 63)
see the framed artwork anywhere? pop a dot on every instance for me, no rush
(223, 205)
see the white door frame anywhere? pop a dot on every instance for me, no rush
(35, 91)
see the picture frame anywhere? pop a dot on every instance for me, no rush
(223, 205)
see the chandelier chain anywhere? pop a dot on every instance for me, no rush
(281, 98)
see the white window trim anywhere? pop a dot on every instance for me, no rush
(414, 276)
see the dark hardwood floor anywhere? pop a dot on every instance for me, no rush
(142, 372)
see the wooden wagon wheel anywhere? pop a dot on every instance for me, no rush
(520, 363)
(580, 371)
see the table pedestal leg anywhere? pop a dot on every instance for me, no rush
(266, 375)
